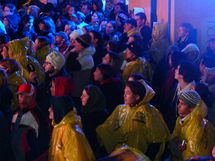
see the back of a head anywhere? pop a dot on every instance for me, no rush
(176, 58)
(61, 105)
(137, 77)
(106, 70)
(136, 48)
(188, 27)
(188, 71)
(43, 40)
(10, 64)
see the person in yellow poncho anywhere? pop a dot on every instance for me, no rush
(18, 50)
(136, 123)
(135, 63)
(42, 48)
(125, 153)
(68, 142)
(15, 79)
(193, 135)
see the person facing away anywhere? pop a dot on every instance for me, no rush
(68, 141)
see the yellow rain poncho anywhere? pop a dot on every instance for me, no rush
(197, 132)
(18, 50)
(138, 66)
(42, 53)
(137, 126)
(129, 153)
(68, 141)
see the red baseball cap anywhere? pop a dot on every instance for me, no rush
(26, 88)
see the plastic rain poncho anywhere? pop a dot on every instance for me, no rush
(197, 132)
(137, 126)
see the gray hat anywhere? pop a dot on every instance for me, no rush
(190, 97)
(56, 59)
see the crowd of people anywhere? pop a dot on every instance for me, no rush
(87, 80)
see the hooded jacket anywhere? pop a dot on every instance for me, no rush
(94, 114)
(138, 66)
(18, 50)
(197, 132)
(68, 141)
(137, 126)
(41, 53)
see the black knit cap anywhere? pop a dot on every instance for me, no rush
(84, 40)
(132, 22)
(135, 48)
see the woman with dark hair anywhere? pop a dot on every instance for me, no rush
(110, 84)
(136, 123)
(27, 28)
(114, 60)
(11, 20)
(96, 19)
(46, 26)
(97, 42)
(97, 5)
(111, 31)
(94, 114)
(68, 141)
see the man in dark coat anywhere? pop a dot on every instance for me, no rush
(30, 132)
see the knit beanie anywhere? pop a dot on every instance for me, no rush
(84, 40)
(74, 34)
(56, 59)
(131, 21)
(135, 48)
(190, 97)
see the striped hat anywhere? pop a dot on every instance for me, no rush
(190, 97)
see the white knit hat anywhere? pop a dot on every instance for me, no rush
(56, 59)
(75, 34)
(190, 97)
